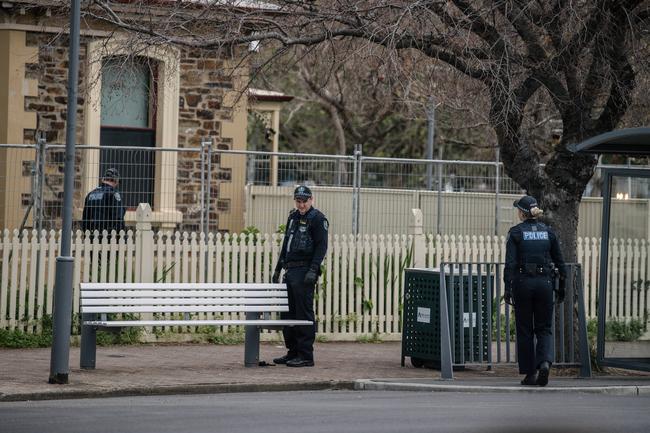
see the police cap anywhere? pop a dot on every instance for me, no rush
(112, 174)
(525, 204)
(302, 192)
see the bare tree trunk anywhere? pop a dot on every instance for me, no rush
(340, 138)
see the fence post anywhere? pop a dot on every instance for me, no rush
(497, 189)
(208, 187)
(356, 189)
(202, 201)
(585, 355)
(38, 190)
(439, 168)
(418, 259)
(144, 243)
(206, 178)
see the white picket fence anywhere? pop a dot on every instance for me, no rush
(360, 292)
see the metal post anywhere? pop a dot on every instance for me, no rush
(203, 181)
(37, 200)
(446, 367)
(62, 312)
(251, 167)
(252, 342)
(356, 184)
(359, 177)
(439, 212)
(40, 172)
(205, 209)
(496, 194)
(208, 190)
(585, 356)
(339, 172)
(603, 268)
(431, 125)
(88, 346)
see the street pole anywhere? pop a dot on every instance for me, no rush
(62, 311)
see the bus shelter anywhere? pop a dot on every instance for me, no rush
(624, 267)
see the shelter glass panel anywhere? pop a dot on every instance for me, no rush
(628, 275)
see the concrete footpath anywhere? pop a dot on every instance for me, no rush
(192, 369)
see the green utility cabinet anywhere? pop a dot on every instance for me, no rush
(467, 305)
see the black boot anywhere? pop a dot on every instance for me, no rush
(300, 362)
(542, 377)
(530, 379)
(284, 359)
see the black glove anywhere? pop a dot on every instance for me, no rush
(311, 277)
(507, 297)
(275, 279)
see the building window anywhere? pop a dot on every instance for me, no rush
(128, 107)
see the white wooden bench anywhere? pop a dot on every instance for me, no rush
(97, 300)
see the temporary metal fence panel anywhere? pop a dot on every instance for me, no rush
(212, 189)
(170, 180)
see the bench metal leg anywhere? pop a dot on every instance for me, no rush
(252, 342)
(88, 352)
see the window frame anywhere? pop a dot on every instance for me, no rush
(165, 122)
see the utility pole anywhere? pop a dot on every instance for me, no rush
(62, 312)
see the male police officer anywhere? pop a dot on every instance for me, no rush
(532, 257)
(303, 250)
(103, 208)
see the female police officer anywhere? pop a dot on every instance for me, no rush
(532, 257)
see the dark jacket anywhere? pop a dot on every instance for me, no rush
(305, 239)
(535, 244)
(103, 210)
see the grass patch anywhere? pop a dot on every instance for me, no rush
(17, 339)
(231, 337)
(121, 336)
(369, 338)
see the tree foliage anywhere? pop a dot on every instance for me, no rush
(580, 61)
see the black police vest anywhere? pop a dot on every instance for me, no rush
(535, 244)
(300, 244)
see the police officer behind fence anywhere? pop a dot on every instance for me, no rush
(103, 208)
(303, 250)
(533, 258)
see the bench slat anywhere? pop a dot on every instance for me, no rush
(183, 286)
(123, 323)
(183, 301)
(181, 293)
(186, 309)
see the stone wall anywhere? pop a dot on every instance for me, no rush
(203, 88)
(51, 73)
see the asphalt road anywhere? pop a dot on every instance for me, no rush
(333, 411)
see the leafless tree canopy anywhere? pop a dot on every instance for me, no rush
(579, 59)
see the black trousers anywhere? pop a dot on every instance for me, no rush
(299, 340)
(533, 296)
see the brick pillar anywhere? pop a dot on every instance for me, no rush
(144, 243)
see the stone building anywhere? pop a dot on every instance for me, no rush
(161, 97)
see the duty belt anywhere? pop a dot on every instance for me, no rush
(536, 268)
(300, 264)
